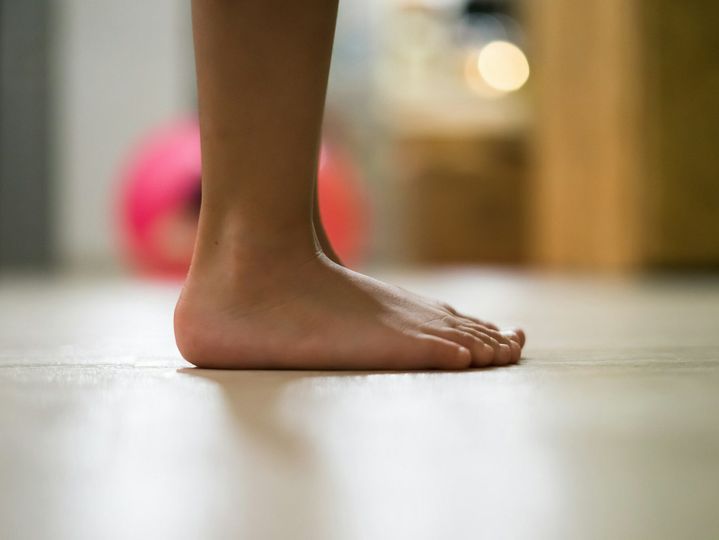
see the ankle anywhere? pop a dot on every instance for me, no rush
(236, 239)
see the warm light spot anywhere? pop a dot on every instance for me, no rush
(474, 78)
(503, 66)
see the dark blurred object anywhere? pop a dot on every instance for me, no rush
(25, 205)
(486, 7)
(681, 54)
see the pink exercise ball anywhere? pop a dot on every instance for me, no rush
(161, 192)
(343, 204)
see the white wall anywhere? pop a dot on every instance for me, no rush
(120, 68)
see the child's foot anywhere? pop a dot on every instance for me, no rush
(319, 315)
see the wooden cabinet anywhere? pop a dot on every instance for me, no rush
(627, 133)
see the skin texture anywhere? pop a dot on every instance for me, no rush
(262, 292)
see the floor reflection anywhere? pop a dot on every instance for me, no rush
(270, 481)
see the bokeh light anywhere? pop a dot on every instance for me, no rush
(503, 66)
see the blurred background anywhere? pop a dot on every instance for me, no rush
(551, 134)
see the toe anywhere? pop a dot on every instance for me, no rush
(502, 337)
(516, 350)
(504, 355)
(480, 322)
(495, 346)
(514, 343)
(435, 352)
(502, 352)
(521, 336)
(485, 357)
(514, 334)
(469, 319)
(481, 354)
(482, 351)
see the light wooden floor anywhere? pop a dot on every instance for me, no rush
(608, 429)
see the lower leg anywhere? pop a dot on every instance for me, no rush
(260, 292)
(262, 74)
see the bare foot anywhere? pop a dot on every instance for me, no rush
(316, 314)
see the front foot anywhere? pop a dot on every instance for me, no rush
(320, 315)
